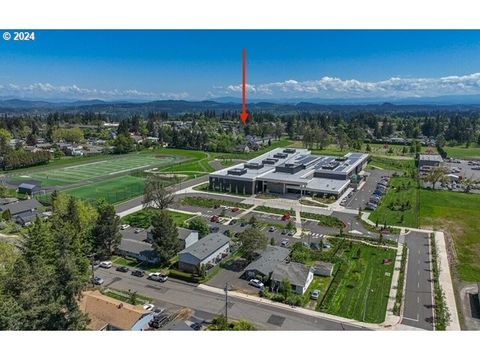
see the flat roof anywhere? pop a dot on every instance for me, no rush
(332, 186)
(427, 157)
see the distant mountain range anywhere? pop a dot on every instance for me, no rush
(126, 108)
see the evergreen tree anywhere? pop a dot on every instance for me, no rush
(165, 236)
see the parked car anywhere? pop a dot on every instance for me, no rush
(371, 206)
(284, 243)
(233, 222)
(291, 233)
(315, 294)
(123, 269)
(106, 264)
(125, 226)
(138, 230)
(235, 209)
(97, 280)
(148, 307)
(214, 229)
(156, 276)
(271, 229)
(286, 217)
(256, 283)
(284, 232)
(138, 273)
(214, 218)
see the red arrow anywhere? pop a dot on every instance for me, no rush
(244, 113)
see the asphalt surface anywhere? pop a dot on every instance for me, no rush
(175, 294)
(360, 197)
(418, 307)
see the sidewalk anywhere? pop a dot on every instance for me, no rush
(446, 281)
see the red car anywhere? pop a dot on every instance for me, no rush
(286, 217)
(235, 210)
(214, 218)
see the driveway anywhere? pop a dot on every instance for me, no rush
(360, 197)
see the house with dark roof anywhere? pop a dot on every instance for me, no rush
(207, 251)
(23, 212)
(28, 188)
(140, 250)
(299, 275)
(266, 262)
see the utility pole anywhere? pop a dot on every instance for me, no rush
(226, 303)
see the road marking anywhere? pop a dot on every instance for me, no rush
(418, 300)
(418, 284)
(418, 272)
(406, 318)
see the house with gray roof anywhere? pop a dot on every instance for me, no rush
(266, 262)
(208, 251)
(299, 275)
(23, 212)
(322, 268)
(186, 237)
(140, 250)
(429, 160)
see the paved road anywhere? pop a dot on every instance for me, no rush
(418, 310)
(176, 294)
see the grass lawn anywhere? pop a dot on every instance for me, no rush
(462, 152)
(113, 190)
(402, 191)
(210, 203)
(325, 220)
(126, 297)
(311, 203)
(198, 161)
(271, 210)
(459, 214)
(318, 283)
(361, 286)
(392, 164)
(111, 165)
(143, 218)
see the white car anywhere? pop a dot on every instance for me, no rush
(148, 307)
(125, 226)
(284, 243)
(157, 277)
(256, 283)
(106, 264)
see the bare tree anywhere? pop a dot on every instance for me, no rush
(156, 193)
(468, 183)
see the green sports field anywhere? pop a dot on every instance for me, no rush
(112, 190)
(115, 165)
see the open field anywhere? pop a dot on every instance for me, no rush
(198, 164)
(110, 166)
(399, 205)
(112, 190)
(392, 164)
(462, 152)
(459, 214)
(361, 286)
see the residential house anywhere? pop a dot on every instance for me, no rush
(207, 251)
(23, 212)
(106, 313)
(299, 275)
(266, 262)
(134, 245)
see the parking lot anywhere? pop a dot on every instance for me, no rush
(360, 198)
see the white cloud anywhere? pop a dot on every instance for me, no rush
(47, 90)
(332, 87)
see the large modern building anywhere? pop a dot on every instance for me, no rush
(286, 170)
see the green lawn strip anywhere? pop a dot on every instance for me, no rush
(392, 164)
(143, 218)
(378, 229)
(325, 220)
(271, 210)
(311, 203)
(402, 194)
(458, 214)
(401, 281)
(442, 314)
(112, 190)
(210, 203)
(126, 297)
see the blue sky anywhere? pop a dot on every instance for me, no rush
(204, 64)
